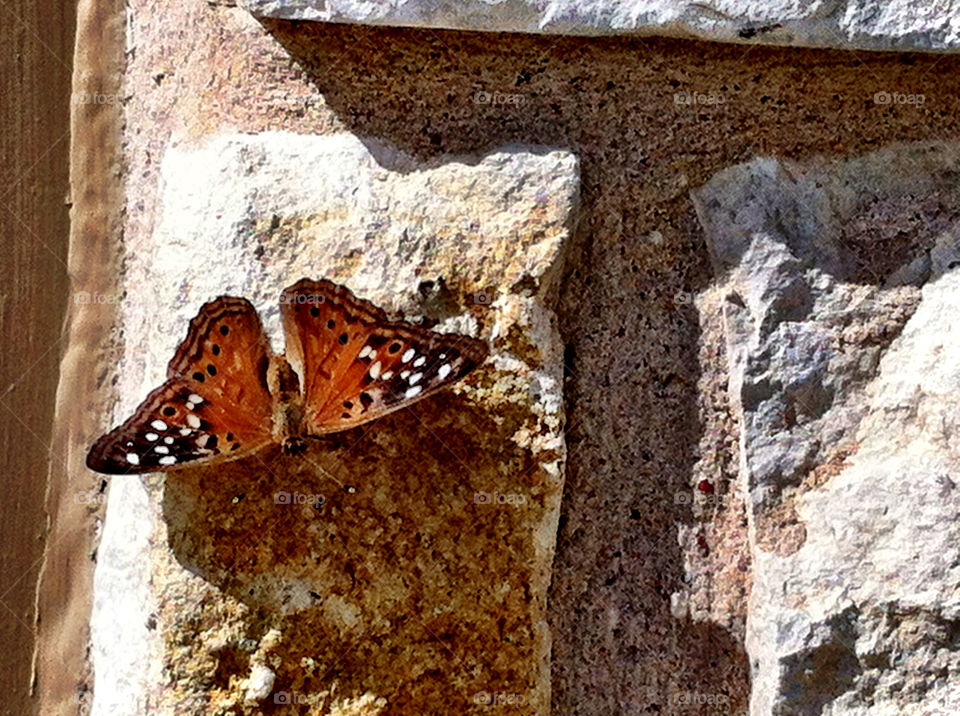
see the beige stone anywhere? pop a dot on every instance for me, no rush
(414, 569)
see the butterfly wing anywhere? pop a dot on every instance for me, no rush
(357, 365)
(215, 404)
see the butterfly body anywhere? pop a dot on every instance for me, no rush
(227, 394)
(288, 409)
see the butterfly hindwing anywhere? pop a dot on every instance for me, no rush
(215, 404)
(357, 365)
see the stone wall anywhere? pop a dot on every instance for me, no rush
(710, 270)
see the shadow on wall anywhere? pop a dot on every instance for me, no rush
(617, 648)
(376, 560)
(632, 350)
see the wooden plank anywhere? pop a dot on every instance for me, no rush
(61, 678)
(35, 84)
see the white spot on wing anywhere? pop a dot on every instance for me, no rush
(365, 351)
(185, 431)
(375, 370)
(162, 449)
(408, 354)
(413, 392)
(415, 378)
(168, 460)
(133, 458)
(168, 440)
(158, 425)
(419, 362)
(194, 398)
(193, 421)
(388, 375)
(444, 371)
(152, 436)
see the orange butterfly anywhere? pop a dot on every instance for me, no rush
(227, 395)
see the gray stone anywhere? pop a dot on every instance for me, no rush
(893, 24)
(844, 372)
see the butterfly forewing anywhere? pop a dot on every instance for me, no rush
(215, 404)
(356, 364)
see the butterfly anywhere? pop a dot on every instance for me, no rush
(227, 395)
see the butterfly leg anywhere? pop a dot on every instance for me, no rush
(331, 442)
(294, 445)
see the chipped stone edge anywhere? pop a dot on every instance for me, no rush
(847, 26)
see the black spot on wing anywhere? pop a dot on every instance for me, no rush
(376, 341)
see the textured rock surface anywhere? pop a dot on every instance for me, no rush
(843, 376)
(892, 24)
(419, 587)
(646, 377)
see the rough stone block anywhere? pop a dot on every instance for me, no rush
(422, 587)
(889, 25)
(837, 279)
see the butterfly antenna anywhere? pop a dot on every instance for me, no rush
(326, 473)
